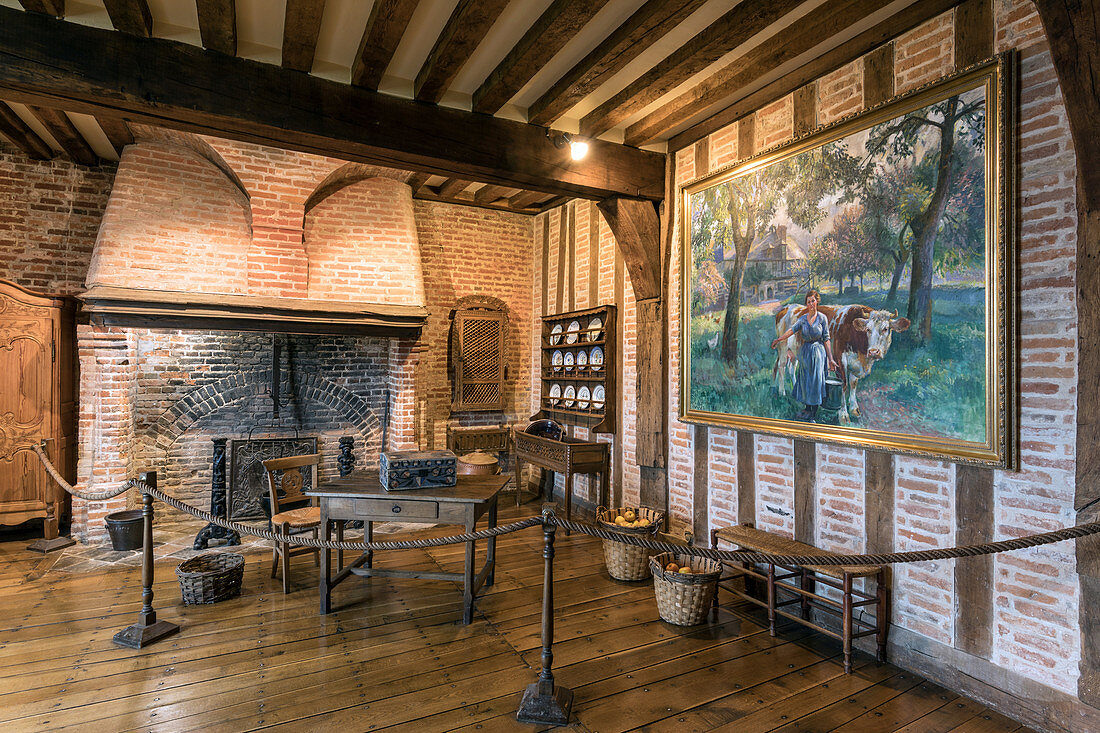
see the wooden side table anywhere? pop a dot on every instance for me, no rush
(567, 456)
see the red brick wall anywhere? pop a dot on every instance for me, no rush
(49, 216)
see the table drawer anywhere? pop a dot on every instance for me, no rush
(397, 508)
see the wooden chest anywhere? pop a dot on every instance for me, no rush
(417, 469)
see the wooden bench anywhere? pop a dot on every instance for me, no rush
(800, 583)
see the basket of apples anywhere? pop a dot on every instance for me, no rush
(684, 586)
(627, 562)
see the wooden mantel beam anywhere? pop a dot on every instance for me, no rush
(50, 62)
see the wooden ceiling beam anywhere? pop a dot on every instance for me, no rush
(55, 8)
(417, 180)
(525, 199)
(901, 22)
(744, 21)
(465, 29)
(131, 16)
(22, 136)
(489, 193)
(450, 188)
(832, 18)
(641, 30)
(117, 132)
(385, 27)
(218, 25)
(558, 24)
(96, 71)
(66, 135)
(427, 194)
(301, 26)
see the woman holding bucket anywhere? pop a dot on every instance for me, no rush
(814, 356)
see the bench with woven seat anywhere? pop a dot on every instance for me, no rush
(798, 584)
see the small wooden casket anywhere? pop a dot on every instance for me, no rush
(413, 469)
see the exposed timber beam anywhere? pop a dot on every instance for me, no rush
(417, 180)
(730, 82)
(637, 230)
(131, 16)
(744, 21)
(427, 194)
(465, 29)
(22, 136)
(55, 8)
(489, 193)
(218, 25)
(117, 132)
(557, 25)
(66, 135)
(452, 187)
(49, 62)
(889, 28)
(301, 26)
(385, 27)
(641, 30)
(525, 199)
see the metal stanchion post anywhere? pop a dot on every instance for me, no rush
(147, 630)
(543, 702)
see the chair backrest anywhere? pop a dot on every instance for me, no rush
(292, 480)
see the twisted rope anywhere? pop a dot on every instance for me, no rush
(85, 495)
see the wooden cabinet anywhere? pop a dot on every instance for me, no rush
(37, 402)
(579, 364)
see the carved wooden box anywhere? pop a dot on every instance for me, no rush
(417, 469)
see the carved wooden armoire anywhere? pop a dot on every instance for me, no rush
(37, 402)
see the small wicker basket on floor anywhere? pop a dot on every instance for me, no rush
(211, 577)
(684, 599)
(627, 562)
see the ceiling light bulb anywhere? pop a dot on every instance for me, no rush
(578, 149)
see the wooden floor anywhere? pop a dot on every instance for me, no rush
(394, 656)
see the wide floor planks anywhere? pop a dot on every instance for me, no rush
(394, 655)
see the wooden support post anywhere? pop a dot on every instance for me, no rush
(545, 703)
(147, 630)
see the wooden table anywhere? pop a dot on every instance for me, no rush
(360, 496)
(567, 456)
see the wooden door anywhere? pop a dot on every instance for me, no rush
(27, 354)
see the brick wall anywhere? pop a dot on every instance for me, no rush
(49, 216)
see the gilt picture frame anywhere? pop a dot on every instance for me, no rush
(900, 218)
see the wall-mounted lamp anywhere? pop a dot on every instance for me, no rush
(577, 148)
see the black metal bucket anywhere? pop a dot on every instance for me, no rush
(126, 529)
(834, 393)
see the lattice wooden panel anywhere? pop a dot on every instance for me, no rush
(477, 360)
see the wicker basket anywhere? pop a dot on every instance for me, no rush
(684, 599)
(627, 562)
(210, 578)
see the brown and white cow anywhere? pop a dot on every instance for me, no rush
(859, 337)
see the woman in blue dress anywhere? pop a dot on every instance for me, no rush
(815, 354)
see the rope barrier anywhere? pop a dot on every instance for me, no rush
(948, 553)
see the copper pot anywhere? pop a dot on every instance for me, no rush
(477, 463)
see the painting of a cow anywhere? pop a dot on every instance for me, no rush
(859, 336)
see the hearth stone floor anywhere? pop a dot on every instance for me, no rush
(174, 539)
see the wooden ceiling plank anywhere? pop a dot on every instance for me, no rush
(832, 18)
(558, 24)
(66, 135)
(301, 26)
(427, 194)
(117, 132)
(385, 27)
(744, 21)
(417, 180)
(525, 199)
(552, 203)
(641, 30)
(450, 188)
(55, 8)
(886, 30)
(101, 72)
(489, 193)
(218, 25)
(22, 136)
(465, 30)
(131, 16)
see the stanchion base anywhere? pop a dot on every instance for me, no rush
(57, 543)
(545, 709)
(138, 636)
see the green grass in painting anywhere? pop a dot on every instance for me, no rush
(934, 390)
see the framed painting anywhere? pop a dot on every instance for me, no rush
(855, 285)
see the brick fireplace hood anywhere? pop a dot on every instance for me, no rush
(118, 306)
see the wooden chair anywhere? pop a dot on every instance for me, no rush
(297, 520)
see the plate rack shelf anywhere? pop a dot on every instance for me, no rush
(580, 363)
